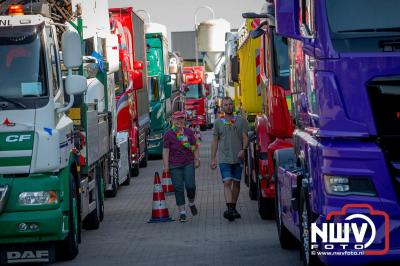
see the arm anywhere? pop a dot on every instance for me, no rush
(214, 148)
(245, 140)
(166, 159)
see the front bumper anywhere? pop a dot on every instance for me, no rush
(52, 226)
(155, 146)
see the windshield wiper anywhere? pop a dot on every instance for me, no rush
(13, 102)
(396, 29)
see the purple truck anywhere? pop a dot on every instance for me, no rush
(338, 189)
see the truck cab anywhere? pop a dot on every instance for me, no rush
(160, 94)
(274, 127)
(195, 96)
(344, 80)
(38, 172)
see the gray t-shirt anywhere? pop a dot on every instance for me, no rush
(230, 139)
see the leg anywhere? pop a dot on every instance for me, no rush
(190, 185)
(237, 175)
(235, 191)
(190, 182)
(227, 178)
(177, 181)
(228, 191)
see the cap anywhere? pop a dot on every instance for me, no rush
(178, 114)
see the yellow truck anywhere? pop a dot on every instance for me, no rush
(248, 92)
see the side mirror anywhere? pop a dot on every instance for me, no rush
(75, 84)
(167, 78)
(90, 70)
(137, 80)
(254, 15)
(287, 19)
(138, 65)
(72, 51)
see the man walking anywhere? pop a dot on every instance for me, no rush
(230, 140)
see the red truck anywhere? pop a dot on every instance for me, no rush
(195, 96)
(274, 127)
(131, 84)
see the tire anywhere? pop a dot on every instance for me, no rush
(286, 239)
(134, 169)
(203, 127)
(266, 206)
(114, 191)
(92, 221)
(305, 231)
(101, 194)
(252, 184)
(68, 249)
(252, 189)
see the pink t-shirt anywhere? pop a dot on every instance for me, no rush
(178, 154)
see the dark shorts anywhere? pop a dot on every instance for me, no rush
(231, 171)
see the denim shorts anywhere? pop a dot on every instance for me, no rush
(231, 171)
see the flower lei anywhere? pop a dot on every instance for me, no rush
(228, 122)
(185, 143)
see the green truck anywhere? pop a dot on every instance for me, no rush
(159, 83)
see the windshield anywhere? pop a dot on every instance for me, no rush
(21, 63)
(282, 62)
(363, 17)
(154, 89)
(194, 91)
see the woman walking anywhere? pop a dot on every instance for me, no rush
(180, 158)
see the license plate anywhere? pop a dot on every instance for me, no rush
(27, 254)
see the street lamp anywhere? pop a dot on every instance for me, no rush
(145, 12)
(195, 28)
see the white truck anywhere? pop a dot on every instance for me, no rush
(58, 145)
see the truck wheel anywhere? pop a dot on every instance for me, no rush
(92, 221)
(266, 206)
(252, 184)
(203, 127)
(101, 194)
(286, 239)
(134, 170)
(246, 170)
(68, 249)
(114, 191)
(305, 231)
(252, 189)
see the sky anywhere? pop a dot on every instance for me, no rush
(178, 15)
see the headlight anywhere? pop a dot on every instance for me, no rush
(156, 136)
(346, 185)
(200, 117)
(38, 198)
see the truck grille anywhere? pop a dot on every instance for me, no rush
(384, 96)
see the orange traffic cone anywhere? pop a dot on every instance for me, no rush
(167, 185)
(160, 211)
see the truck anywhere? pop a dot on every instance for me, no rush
(273, 127)
(175, 71)
(245, 68)
(344, 81)
(159, 81)
(51, 169)
(133, 113)
(195, 96)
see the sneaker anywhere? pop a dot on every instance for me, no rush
(236, 214)
(182, 218)
(229, 215)
(193, 210)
